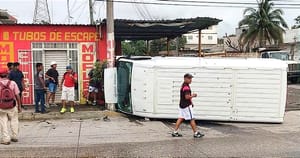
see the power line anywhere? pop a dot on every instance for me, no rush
(227, 5)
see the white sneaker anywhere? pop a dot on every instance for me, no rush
(53, 104)
(47, 106)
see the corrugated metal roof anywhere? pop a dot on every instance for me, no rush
(149, 29)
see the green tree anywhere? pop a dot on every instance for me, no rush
(161, 44)
(134, 48)
(264, 24)
(297, 25)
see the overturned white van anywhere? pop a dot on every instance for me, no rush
(246, 90)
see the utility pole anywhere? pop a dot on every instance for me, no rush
(110, 40)
(91, 9)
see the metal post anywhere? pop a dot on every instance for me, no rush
(199, 43)
(148, 47)
(91, 12)
(168, 46)
(110, 40)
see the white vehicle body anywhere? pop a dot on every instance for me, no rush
(246, 90)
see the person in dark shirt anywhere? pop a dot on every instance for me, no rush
(93, 87)
(17, 76)
(52, 76)
(186, 107)
(39, 89)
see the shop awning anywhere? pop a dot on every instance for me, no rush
(155, 29)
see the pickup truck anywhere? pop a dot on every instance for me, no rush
(293, 66)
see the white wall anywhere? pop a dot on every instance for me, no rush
(208, 36)
(289, 36)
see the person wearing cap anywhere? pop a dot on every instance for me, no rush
(52, 76)
(17, 75)
(9, 114)
(186, 107)
(68, 89)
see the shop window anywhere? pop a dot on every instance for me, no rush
(56, 45)
(37, 45)
(73, 45)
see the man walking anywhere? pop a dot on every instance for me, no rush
(39, 89)
(68, 89)
(52, 76)
(9, 98)
(17, 75)
(186, 107)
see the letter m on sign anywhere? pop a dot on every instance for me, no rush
(4, 47)
(87, 48)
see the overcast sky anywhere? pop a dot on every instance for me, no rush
(24, 10)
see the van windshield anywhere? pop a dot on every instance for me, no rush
(124, 71)
(280, 55)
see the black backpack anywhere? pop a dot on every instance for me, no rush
(7, 96)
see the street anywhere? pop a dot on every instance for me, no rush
(134, 137)
(128, 136)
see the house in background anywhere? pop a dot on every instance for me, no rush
(209, 39)
(291, 40)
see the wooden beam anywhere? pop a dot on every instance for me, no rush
(199, 43)
(168, 46)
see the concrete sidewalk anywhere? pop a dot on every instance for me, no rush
(81, 112)
(123, 136)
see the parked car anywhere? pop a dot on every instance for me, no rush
(293, 66)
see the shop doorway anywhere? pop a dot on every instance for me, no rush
(63, 53)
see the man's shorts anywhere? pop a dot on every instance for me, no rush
(186, 113)
(52, 87)
(68, 93)
(93, 89)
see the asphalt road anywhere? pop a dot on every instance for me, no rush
(135, 137)
(124, 136)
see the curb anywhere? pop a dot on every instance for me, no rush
(31, 116)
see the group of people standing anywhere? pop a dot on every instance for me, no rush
(66, 85)
(11, 87)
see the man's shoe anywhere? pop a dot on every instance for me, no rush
(176, 134)
(47, 106)
(63, 110)
(37, 112)
(94, 103)
(45, 112)
(5, 143)
(14, 140)
(23, 107)
(53, 104)
(198, 135)
(72, 110)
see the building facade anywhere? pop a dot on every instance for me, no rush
(209, 38)
(75, 45)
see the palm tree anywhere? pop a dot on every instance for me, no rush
(265, 24)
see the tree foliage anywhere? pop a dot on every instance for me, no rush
(297, 25)
(134, 48)
(265, 24)
(98, 71)
(139, 48)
